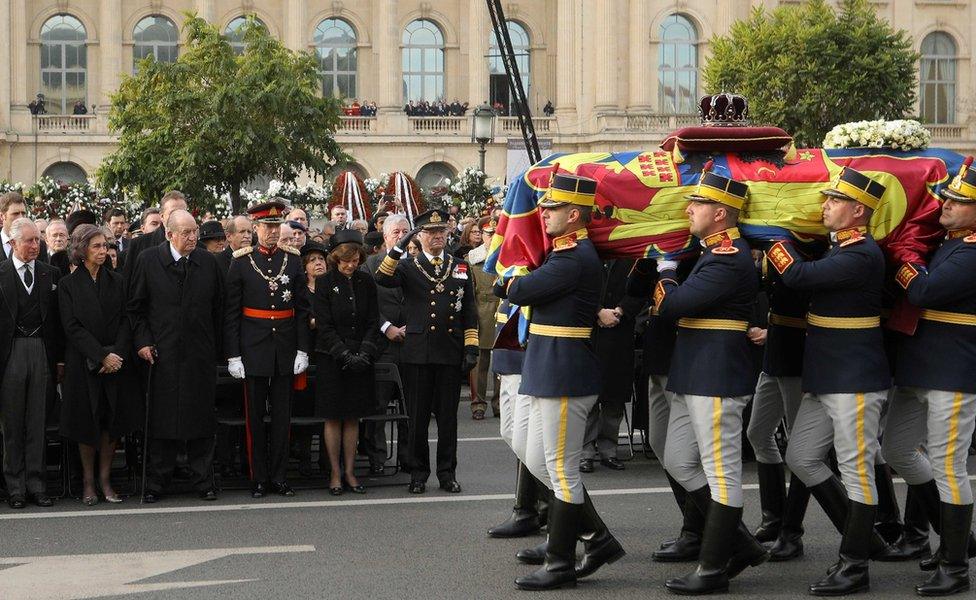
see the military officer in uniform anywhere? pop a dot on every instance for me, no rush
(441, 343)
(703, 450)
(935, 397)
(558, 379)
(845, 373)
(778, 395)
(529, 514)
(266, 342)
(657, 348)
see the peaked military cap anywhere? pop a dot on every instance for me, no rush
(569, 189)
(272, 211)
(962, 188)
(432, 219)
(854, 185)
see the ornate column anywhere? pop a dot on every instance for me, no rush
(479, 34)
(109, 50)
(387, 42)
(205, 10)
(639, 57)
(566, 55)
(294, 26)
(5, 67)
(605, 49)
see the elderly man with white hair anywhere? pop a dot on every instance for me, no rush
(31, 345)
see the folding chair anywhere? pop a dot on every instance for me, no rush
(395, 411)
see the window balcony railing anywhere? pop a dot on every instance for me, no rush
(357, 124)
(440, 125)
(64, 123)
(510, 125)
(656, 122)
(947, 132)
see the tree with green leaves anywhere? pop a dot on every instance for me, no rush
(809, 67)
(213, 120)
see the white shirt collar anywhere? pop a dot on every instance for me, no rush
(19, 264)
(431, 257)
(4, 237)
(176, 255)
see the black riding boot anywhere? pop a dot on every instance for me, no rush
(889, 516)
(710, 574)
(687, 545)
(921, 508)
(599, 546)
(832, 497)
(789, 544)
(772, 497)
(930, 563)
(525, 518)
(850, 573)
(952, 574)
(559, 569)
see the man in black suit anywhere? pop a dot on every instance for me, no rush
(118, 224)
(238, 232)
(13, 207)
(393, 320)
(31, 350)
(171, 201)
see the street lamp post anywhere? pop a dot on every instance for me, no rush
(482, 130)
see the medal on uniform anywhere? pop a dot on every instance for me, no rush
(439, 280)
(272, 285)
(439, 287)
(284, 279)
(274, 281)
(286, 295)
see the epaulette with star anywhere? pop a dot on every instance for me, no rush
(243, 251)
(291, 250)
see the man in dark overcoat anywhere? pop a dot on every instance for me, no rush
(176, 309)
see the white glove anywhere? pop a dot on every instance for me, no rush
(301, 362)
(235, 366)
(665, 265)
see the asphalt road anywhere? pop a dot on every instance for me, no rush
(386, 544)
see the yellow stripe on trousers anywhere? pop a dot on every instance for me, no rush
(723, 488)
(862, 471)
(561, 448)
(951, 447)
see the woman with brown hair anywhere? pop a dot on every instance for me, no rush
(347, 331)
(470, 239)
(95, 412)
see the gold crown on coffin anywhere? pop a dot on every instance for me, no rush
(724, 110)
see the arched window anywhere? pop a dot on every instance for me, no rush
(937, 80)
(498, 79)
(66, 172)
(234, 32)
(677, 66)
(335, 47)
(423, 61)
(434, 174)
(355, 167)
(64, 63)
(155, 36)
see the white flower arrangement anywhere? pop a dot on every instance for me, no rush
(901, 134)
(469, 191)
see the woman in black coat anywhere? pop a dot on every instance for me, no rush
(347, 331)
(95, 411)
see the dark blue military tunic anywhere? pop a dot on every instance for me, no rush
(564, 294)
(941, 354)
(712, 309)
(505, 361)
(786, 331)
(844, 350)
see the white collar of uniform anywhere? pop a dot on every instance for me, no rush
(431, 257)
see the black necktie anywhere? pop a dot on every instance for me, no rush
(28, 278)
(181, 265)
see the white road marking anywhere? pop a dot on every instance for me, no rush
(81, 576)
(288, 505)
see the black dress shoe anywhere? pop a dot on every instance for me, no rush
(586, 465)
(417, 487)
(17, 501)
(43, 500)
(355, 489)
(451, 487)
(613, 463)
(150, 498)
(336, 491)
(377, 469)
(282, 489)
(258, 490)
(208, 495)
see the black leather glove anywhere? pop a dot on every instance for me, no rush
(470, 359)
(397, 251)
(345, 359)
(358, 363)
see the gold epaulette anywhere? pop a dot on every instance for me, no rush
(243, 251)
(291, 250)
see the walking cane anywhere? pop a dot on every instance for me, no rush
(145, 429)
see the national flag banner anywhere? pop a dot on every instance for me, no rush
(640, 201)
